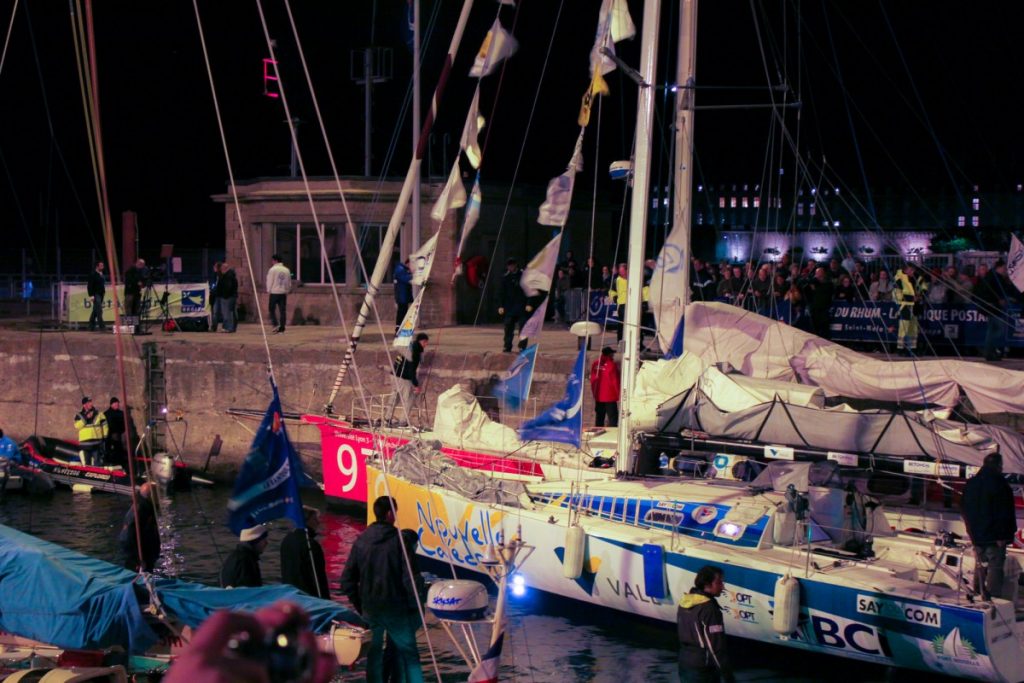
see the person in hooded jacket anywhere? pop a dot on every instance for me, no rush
(991, 521)
(605, 384)
(377, 582)
(302, 557)
(703, 657)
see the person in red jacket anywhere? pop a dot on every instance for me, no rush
(604, 382)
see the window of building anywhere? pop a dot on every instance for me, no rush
(732, 202)
(700, 219)
(975, 221)
(757, 202)
(812, 208)
(961, 221)
(975, 204)
(370, 237)
(721, 202)
(746, 202)
(799, 208)
(299, 248)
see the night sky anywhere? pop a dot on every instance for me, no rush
(929, 90)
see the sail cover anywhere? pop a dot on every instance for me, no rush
(64, 598)
(767, 349)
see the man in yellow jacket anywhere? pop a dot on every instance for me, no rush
(92, 433)
(617, 295)
(908, 291)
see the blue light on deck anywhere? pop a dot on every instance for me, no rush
(518, 585)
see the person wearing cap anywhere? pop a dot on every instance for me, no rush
(143, 509)
(302, 557)
(605, 384)
(279, 283)
(92, 432)
(241, 567)
(512, 304)
(386, 591)
(115, 432)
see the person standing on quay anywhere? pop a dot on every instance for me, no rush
(302, 558)
(96, 288)
(991, 522)
(703, 657)
(115, 433)
(241, 567)
(279, 283)
(403, 291)
(134, 280)
(605, 384)
(512, 304)
(387, 592)
(227, 296)
(149, 531)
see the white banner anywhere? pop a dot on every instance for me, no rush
(421, 261)
(183, 300)
(408, 328)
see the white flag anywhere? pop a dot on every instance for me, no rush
(555, 209)
(412, 318)
(421, 260)
(472, 215)
(452, 197)
(498, 45)
(613, 24)
(667, 285)
(471, 132)
(1015, 263)
(535, 324)
(536, 278)
(622, 26)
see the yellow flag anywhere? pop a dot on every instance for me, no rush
(598, 86)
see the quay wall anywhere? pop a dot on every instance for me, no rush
(44, 375)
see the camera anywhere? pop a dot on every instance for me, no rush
(281, 652)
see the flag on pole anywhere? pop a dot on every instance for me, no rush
(514, 388)
(535, 324)
(536, 277)
(667, 284)
(422, 260)
(498, 45)
(267, 486)
(452, 196)
(563, 421)
(470, 220)
(1015, 263)
(412, 318)
(675, 349)
(470, 142)
(614, 24)
(597, 86)
(487, 670)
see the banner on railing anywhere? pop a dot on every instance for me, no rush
(941, 325)
(183, 300)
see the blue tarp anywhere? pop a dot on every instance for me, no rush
(67, 599)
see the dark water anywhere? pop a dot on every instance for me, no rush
(548, 639)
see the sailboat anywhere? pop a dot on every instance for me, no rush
(809, 564)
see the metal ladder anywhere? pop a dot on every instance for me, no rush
(156, 396)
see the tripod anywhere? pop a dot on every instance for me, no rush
(149, 295)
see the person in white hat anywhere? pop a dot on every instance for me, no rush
(242, 567)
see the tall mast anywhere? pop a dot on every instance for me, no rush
(686, 71)
(638, 226)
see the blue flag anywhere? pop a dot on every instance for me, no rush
(514, 388)
(267, 487)
(675, 349)
(563, 421)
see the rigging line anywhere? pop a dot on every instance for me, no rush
(501, 76)
(84, 87)
(939, 147)
(519, 161)
(7, 39)
(234, 189)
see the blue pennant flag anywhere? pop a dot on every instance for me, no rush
(267, 487)
(675, 349)
(563, 421)
(514, 388)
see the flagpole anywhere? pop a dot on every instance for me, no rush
(388, 241)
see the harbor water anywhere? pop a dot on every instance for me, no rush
(547, 639)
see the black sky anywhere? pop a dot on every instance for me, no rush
(930, 89)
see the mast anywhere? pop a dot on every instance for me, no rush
(416, 202)
(638, 226)
(686, 71)
(388, 241)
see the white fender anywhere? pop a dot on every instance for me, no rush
(787, 605)
(575, 547)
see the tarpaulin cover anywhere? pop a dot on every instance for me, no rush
(64, 598)
(767, 349)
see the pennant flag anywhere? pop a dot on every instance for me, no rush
(421, 260)
(614, 24)
(536, 277)
(621, 24)
(267, 486)
(412, 318)
(470, 143)
(563, 421)
(598, 86)
(1015, 263)
(498, 45)
(487, 670)
(667, 283)
(675, 349)
(514, 388)
(471, 218)
(452, 196)
(535, 324)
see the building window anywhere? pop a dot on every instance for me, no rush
(961, 222)
(800, 209)
(975, 203)
(732, 202)
(812, 208)
(700, 219)
(370, 237)
(299, 247)
(746, 202)
(757, 202)
(721, 202)
(975, 221)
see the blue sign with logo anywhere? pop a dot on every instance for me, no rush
(942, 324)
(193, 300)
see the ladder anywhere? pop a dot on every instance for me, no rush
(156, 396)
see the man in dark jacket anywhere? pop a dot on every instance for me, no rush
(403, 292)
(95, 287)
(149, 533)
(302, 558)
(703, 657)
(512, 303)
(134, 280)
(386, 592)
(991, 522)
(407, 365)
(994, 293)
(227, 296)
(242, 567)
(115, 433)
(819, 300)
